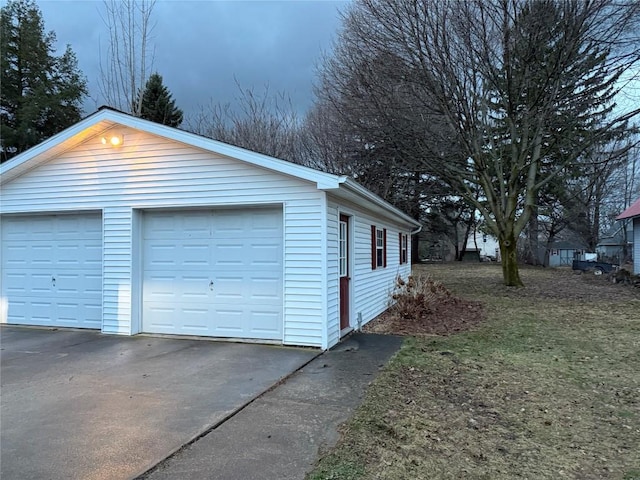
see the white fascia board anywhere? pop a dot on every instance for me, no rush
(350, 185)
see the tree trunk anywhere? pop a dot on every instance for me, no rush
(534, 243)
(467, 231)
(509, 254)
(475, 241)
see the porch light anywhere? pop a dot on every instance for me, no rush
(113, 140)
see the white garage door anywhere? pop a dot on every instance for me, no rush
(213, 273)
(52, 270)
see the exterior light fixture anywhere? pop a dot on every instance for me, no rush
(113, 140)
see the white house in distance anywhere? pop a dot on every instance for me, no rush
(633, 214)
(128, 226)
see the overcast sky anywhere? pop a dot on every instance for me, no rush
(201, 46)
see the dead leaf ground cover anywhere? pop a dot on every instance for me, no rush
(548, 386)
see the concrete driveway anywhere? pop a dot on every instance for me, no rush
(78, 404)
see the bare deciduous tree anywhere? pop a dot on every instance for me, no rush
(495, 97)
(129, 55)
(265, 123)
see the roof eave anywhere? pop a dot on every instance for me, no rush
(347, 184)
(631, 212)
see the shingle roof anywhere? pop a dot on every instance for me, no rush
(632, 211)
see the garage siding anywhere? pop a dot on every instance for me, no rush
(152, 172)
(371, 288)
(303, 285)
(116, 270)
(333, 275)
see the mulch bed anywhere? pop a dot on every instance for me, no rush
(451, 316)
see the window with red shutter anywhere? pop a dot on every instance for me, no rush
(378, 247)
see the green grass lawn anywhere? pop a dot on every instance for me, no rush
(547, 387)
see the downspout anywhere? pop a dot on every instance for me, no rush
(417, 243)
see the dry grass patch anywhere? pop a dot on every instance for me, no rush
(547, 387)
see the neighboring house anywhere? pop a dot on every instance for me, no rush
(129, 226)
(633, 214)
(488, 245)
(615, 244)
(562, 253)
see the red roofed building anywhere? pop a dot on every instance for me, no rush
(633, 214)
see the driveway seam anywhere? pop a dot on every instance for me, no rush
(226, 418)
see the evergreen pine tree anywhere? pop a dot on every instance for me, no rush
(41, 93)
(157, 104)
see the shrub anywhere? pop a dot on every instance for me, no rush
(417, 296)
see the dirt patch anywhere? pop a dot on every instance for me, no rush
(453, 316)
(425, 307)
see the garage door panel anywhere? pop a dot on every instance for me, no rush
(176, 286)
(27, 254)
(32, 312)
(14, 254)
(267, 254)
(52, 270)
(177, 225)
(195, 255)
(78, 254)
(27, 283)
(231, 321)
(266, 289)
(266, 322)
(213, 287)
(42, 255)
(28, 228)
(79, 282)
(160, 255)
(230, 254)
(66, 313)
(70, 226)
(14, 282)
(167, 317)
(70, 312)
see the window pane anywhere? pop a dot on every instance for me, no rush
(342, 246)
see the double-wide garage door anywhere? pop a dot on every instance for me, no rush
(52, 270)
(214, 273)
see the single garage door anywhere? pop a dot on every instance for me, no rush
(213, 273)
(52, 270)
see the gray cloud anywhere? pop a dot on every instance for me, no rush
(201, 47)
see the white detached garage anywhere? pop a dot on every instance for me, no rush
(163, 231)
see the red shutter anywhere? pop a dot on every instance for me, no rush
(400, 246)
(373, 247)
(408, 257)
(384, 248)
